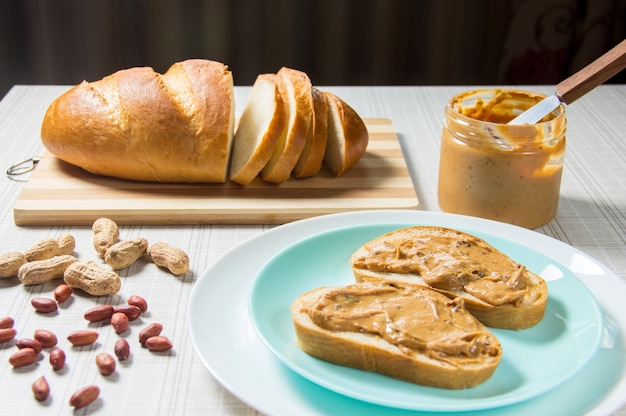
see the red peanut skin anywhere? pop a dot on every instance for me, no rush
(158, 344)
(62, 293)
(122, 349)
(131, 311)
(139, 302)
(99, 313)
(29, 343)
(41, 389)
(82, 337)
(44, 305)
(119, 322)
(7, 334)
(151, 330)
(6, 322)
(105, 363)
(84, 396)
(23, 357)
(57, 359)
(47, 338)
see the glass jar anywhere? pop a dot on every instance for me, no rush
(492, 170)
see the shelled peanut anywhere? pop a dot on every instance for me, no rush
(44, 305)
(7, 334)
(29, 343)
(120, 322)
(41, 389)
(6, 322)
(62, 293)
(122, 349)
(99, 313)
(82, 337)
(105, 363)
(48, 339)
(23, 357)
(139, 302)
(84, 396)
(57, 359)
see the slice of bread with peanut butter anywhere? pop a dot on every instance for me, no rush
(498, 291)
(404, 331)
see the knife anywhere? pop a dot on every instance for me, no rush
(577, 85)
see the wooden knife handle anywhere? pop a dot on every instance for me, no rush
(593, 74)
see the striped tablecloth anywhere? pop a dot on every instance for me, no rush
(591, 217)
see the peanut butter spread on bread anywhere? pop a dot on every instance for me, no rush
(412, 318)
(449, 262)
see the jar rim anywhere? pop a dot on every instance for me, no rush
(452, 105)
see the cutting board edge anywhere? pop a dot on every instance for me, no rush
(253, 216)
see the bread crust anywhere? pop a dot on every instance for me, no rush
(372, 353)
(526, 311)
(175, 127)
(295, 88)
(347, 136)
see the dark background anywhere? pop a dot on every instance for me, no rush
(337, 42)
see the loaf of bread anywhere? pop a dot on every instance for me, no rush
(179, 126)
(404, 331)
(140, 125)
(500, 292)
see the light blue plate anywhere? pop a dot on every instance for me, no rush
(534, 360)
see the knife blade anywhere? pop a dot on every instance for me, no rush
(577, 85)
(537, 111)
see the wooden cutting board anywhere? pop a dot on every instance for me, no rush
(58, 193)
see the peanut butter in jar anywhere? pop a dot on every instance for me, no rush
(492, 170)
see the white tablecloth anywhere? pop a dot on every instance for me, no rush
(591, 217)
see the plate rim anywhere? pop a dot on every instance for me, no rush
(609, 400)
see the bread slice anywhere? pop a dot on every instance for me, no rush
(403, 331)
(347, 136)
(295, 88)
(312, 156)
(263, 123)
(500, 292)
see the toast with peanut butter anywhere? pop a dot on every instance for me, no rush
(404, 331)
(498, 291)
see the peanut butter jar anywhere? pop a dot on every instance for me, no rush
(502, 172)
